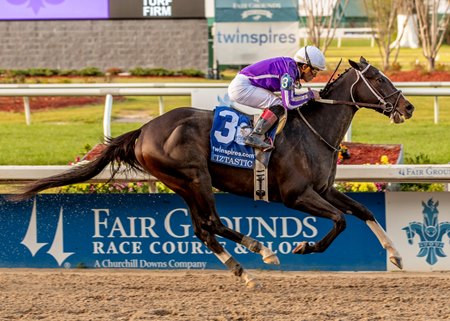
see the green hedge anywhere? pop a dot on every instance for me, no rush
(96, 72)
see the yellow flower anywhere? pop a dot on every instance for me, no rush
(384, 160)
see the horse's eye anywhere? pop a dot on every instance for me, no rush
(380, 79)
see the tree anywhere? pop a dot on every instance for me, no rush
(432, 28)
(382, 18)
(322, 19)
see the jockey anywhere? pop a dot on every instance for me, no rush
(255, 85)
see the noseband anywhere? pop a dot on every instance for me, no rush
(388, 108)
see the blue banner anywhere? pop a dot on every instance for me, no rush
(256, 10)
(154, 231)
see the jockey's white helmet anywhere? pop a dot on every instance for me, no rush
(311, 56)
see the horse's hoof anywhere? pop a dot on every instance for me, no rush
(397, 261)
(253, 284)
(301, 248)
(271, 259)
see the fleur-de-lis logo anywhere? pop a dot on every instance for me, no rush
(430, 233)
(35, 5)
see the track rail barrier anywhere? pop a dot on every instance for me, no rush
(433, 89)
(11, 174)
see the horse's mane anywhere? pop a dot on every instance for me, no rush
(332, 84)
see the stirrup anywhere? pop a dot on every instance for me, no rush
(257, 142)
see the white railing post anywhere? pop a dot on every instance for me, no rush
(436, 110)
(26, 106)
(161, 105)
(348, 134)
(107, 116)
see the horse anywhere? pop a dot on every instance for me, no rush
(175, 149)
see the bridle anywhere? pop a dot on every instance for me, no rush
(387, 107)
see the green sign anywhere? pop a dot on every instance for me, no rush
(256, 10)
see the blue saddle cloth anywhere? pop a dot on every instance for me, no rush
(227, 138)
(228, 131)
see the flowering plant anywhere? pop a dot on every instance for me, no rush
(343, 153)
(115, 188)
(364, 186)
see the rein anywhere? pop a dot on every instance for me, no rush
(335, 149)
(351, 103)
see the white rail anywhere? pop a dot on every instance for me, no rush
(434, 89)
(349, 173)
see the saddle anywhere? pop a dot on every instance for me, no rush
(230, 126)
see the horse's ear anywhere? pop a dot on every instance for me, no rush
(354, 64)
(363, 60)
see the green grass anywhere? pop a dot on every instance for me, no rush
(354, 48)
(50, 144)
(417, 135)
(56, 137)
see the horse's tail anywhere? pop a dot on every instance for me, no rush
(120, 149)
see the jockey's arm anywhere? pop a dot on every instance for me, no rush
(290, 99)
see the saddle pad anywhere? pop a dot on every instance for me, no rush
(227, 138)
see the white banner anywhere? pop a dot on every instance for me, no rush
(419, 226)
(246, 43)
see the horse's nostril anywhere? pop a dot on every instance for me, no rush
(410, 108)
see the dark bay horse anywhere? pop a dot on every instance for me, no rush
(175, 148)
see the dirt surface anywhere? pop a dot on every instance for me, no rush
(83, 295)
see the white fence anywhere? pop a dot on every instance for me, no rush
(433, 89)
(345, 173)
(343, 33)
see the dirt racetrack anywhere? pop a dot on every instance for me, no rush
(30, 294)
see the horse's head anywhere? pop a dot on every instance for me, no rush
(372, 86)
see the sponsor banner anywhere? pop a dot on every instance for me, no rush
(419, 226)
(154, 231)
(246, 43)
(425, 172)
(256, 10)
(156, 9)
(53, 9)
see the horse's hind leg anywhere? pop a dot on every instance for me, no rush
(253, 245)
(205, 223)
(197, 192)
(350, 206)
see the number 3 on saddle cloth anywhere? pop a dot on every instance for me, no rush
(228, 131)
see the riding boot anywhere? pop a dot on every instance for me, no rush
(265, 122)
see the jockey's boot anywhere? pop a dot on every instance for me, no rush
(268, 118)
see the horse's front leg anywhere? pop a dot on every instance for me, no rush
(312, 203)
(350, 206)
